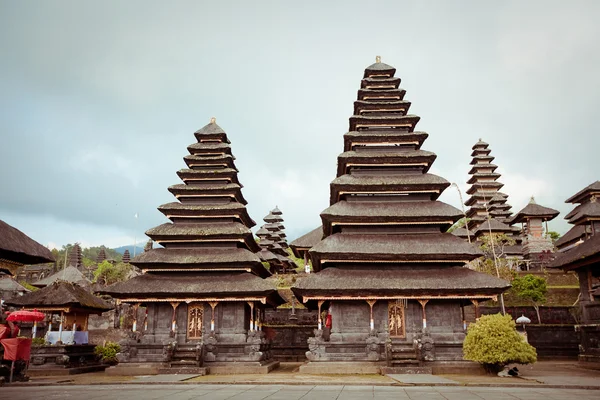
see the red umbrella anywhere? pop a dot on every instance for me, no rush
(26, 316)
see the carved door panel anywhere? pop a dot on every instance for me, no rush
(396, 323)
(194, 325)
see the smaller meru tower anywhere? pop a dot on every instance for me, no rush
(204, 291)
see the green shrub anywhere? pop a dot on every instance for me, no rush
(38, 341)
(108, 352)
(494, 342)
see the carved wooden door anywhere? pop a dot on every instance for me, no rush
(396, 319)
(194, 328)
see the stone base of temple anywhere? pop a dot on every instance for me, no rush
(238, 368)
(406, 370)
(342, 367)
(455, 367)
(49, 371)
(589, 361)
(174, 370)
(133, 369)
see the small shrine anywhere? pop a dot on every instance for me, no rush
(304, 243)
(67, 307)
(537, 245)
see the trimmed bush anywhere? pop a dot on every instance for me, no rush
(108, 352)
(494, 342)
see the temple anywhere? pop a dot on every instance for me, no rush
(489, 211)
(537, 245)
(389, 284)
(274, 245)
(203, 291)
(580, 252)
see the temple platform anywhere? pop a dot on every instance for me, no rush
(46, 371)
(342, 367)
(235, 368)
(133, 369)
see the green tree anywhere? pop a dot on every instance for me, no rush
(553, 235)
(494, 255)
(494, 342)
(108, 273)
(531, 288)
(459, 224)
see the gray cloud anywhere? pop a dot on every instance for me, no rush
(99, 100)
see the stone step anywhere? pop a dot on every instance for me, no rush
(181, 363)
(184, 354)
(406, 370)
(185, 370)
(402, 363)
(405, 356)
(403, 349)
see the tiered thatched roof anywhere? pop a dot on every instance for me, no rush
(385, 222)
(16, 249)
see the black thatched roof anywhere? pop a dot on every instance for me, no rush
(450, 281)
(483, 175)
(207, 175)
(581, 255)
(433, 184)
(533, 210)
(214, 232)
(200, 259)
(379, 68)
(494, 225)
(398, 120)
(209, 148)
(480, 145)
(8, 284)
(438, 247)
(232, 190)
(225, 160)
(477, 167)
(584, 212)
(182, 285)
(584, 193)
(391, 82)
(238, 210)
(69, 274)
(383, 136)
(375, 157)
(409, 211)
(306, 241)
(574, 234)
(210, 131)
(61, 294)
(17, 247)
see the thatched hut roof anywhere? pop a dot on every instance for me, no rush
(62, 295)
(69, 274)
(16, 249)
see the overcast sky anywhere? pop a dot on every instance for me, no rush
(99, 100)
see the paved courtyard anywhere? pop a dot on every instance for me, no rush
(289, 392)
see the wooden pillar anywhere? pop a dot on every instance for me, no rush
(462, 313)
(371, 321)
(476, 304)
(85, 322)
(423, 303)
(174, 304)
(320, 325)
(251, 304)
(212, 304)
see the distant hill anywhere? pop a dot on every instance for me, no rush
(121, 250)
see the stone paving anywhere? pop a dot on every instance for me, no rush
(289, 392)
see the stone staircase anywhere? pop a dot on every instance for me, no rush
(402, 359)
(187, 359)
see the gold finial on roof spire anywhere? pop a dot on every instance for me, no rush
(213, 120)
(480, 140)
(378, 59)
(532, 201)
